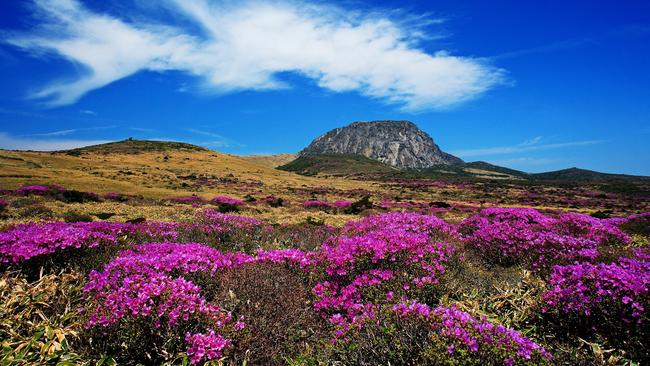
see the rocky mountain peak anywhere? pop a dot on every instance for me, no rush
(397, 143)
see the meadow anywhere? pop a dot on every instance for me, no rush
(180, 257)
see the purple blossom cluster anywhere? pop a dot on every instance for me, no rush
(25, 241)
(37, 190)
(222, 221)
(513, 235)
(396, 247)
(461, 329)
(380, 264)
(187, 199)
(401, 221)
(205, 346)
(224, 200)
(601, 291)
(141, 283)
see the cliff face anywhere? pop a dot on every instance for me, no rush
(398, 143)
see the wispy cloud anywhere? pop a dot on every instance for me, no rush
(88, 112)
(54, 133)
(630, 30)
(140, 129)
(205, 133)
(9, 142)
(530, 145)
(525, 161)
(217, 140)
(69, 131)
(245, 45)
(554, 46)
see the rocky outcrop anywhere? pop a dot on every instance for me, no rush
(398, 143)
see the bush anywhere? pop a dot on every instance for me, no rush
(72, 196)
(411, 333)
(274, 301)
(73, 216)
(104, 215)
(358, 206)
(510, 236)
(637, 224)
(612, 299)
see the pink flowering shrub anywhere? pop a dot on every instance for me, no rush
(515, 235)
(227, 204)
(208, 346)
(152, 288)
(374, 255)
(230, 232)
(473, 340)
(602, 231)
(187, 199)
(82, 245)
(594, 293)
(37, 190)
(402, 221)
(608, 299)
(409, 332)
(273, 201)
(338, 205)
(26, 241)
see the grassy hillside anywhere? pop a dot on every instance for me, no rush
(151, 168)
(339, 165)
(271, 161)
(356, 166)
(131, 146)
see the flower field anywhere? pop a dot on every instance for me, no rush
(211, 280)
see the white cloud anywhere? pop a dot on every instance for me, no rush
(9, 142)
(529, 145)
(525, 161)
(244, 45)
(55, 133)
(217, 140)
(70, 131)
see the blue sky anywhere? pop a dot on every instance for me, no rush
(531, 85)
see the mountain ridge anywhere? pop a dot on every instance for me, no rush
(353, 166)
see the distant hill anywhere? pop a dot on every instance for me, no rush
(583, 175)
(400, 144)
(131, 146)
(272, 161)
(338, 165)
(357, 166)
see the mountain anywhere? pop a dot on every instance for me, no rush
(584, 175)
(400, 144)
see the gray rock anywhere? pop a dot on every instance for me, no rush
(398, 143)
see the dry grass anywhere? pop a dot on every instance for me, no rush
(152, 174)
(39, 320)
